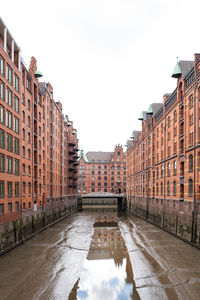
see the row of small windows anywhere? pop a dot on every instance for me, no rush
(9, 119)
(10, 208)
(9, 74)
(9, 164)
(9, 189)
(9, 142)
(190, 188)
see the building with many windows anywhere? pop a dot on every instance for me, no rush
(35, 138)
(102, 172)
(163, 160)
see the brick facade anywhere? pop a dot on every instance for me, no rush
(102, 172)
(34, 138)
(163, 160)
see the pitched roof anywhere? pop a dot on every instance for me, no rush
(186, 66)
(99, 156)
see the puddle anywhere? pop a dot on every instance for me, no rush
(107, 271)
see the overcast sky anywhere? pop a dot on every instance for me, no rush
(106, 59)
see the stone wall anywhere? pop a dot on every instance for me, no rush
(177, 222)
(18, 231)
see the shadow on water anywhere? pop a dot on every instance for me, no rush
(107, 272)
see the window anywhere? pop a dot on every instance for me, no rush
(23, 188)
(175, 148)
(2, 163)
(16, 146)
(23, 99)
(16, 206)
(16, 189)
(157, 189)
(9, 207)
(9, 97)
(16, 103)
(39, 99)
(168, 169)
(1, 208)
(23, 169)
(157, 172)
(191, 139)
(175, 116)
(161, 188)
(112, 168)
(174, 188)
(1, 190)
(93, 167)
(16, 124)
(29, 188)
(29, 137)
(23, 134)
(2, 66)
(190, 187)
(8, 119)
(99, 167)
(2, 120)
(168, 188)
(16, 82)
(29, 154)
(9, 188)
(175, 131)
(175, 167)
(2, 139)
(29, 105)
(29, 121)
(191, 163)
(191, 119)
(9, 165)
(2, 94)
(9, 74)
(23, 116)
(169, 121)
(191, 101)
(16, 166)
(9, 142)
(92, 177)
(28, 83)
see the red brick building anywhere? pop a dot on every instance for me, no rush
(163, 160)
(35, 138)
(102, 171)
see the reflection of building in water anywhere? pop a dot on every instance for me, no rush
(107, 241)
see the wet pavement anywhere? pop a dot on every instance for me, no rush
(101, 255)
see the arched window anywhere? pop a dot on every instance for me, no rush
(175, 167)
(190, 187)
(99, 177)
(80, 167)
(161, 171)
(118, 167)
(162, 128)
(191, 101)
(112, 167)
(190, 163)
(93, 167)
(118, 153)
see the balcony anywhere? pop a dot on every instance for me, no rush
(71, 144)
(181, 119)
(76, 163)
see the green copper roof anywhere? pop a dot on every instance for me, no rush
(83, 155)
(69, 123)
(141, 116)
(150, 109)
(177, 71)
(38, 74)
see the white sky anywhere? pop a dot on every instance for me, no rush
(106, 59)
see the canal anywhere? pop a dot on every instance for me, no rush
(100, 255)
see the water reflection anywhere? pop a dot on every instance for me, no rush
(107, 272)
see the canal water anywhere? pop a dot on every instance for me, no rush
(101, 254)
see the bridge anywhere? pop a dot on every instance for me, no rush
(102, 200)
